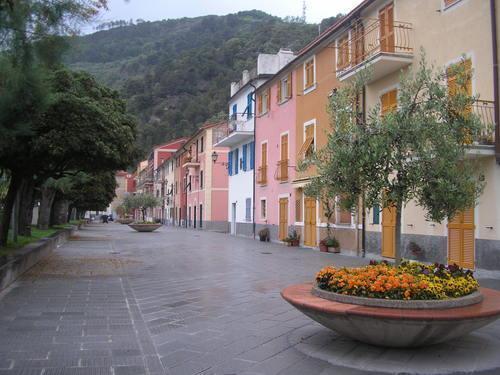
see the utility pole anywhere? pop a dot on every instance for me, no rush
(304, 10)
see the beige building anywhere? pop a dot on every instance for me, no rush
(388, 36)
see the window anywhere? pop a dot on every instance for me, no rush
(343, 52)
(236, 160)
(263, 209)
(309, 74)
(190, 182)
(343, 216)
(376, 214)
(201, 179)
(230, 163)
(285, 88)
(249, 105)
(298, 206)
(389, 102)
(244, 158)
(465, 67)
(308, 145)
(264, 101)
(248, 209)
(252, 155)
(234, 112)
(202, 146)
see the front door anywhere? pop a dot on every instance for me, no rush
(194, 216)
(310, 222)
(386, 20)
(233, 219)
(389, 232)
(201, 216)
(461, 239)
(283, 218)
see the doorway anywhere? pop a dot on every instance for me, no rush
(283, 227)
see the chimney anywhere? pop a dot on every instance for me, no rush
(234, 88)
(245, 77)
(285, 55)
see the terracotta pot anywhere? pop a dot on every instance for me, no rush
(323, 248)
(334, 250)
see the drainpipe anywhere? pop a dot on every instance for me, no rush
(254, 139)
(495, 77)
(363, 208)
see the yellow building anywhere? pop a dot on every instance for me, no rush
(388, 36)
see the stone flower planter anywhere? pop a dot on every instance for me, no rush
(396, 323)
(125, 221)
(145, 227)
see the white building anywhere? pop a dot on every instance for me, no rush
(166, 183)
(240, 140)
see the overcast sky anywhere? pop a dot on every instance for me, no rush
(152, 10)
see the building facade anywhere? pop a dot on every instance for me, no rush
(275, 154)
(387, 36)
(241, 141)
(203, 169)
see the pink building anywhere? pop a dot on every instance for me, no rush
(205, 179)
(275, 154)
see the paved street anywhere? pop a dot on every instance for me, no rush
(113, 301)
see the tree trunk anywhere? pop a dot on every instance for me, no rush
(59, 214)
(48, 195)
(27, 193)
(143, 214)
(10, 199)
(397, 255)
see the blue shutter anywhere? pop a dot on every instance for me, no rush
(236, 160)
(376, 214)
(230, 163)
(245, 157)
(235, 110)
(252, 155)
(249, 105)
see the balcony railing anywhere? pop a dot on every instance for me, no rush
(485, 110)
(370, 38)
(262, 175)
(282, 171)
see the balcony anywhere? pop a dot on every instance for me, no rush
(385, 48)
(281, 173)
(261, 177)
(483, 144)
(240, 129)
(192, 164)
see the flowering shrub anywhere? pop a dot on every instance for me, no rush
(411, 280)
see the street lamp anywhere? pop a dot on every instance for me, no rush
(215, 156)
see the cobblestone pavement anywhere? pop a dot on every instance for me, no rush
(115, 302)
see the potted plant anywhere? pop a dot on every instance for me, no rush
(142, 202)
(293, 238)
(264, 235)
(332, 244)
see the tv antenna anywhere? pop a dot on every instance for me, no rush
(304, 10)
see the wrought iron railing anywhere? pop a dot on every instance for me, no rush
(370, 37)
(262, 175)
(485, 110)
(282, 171)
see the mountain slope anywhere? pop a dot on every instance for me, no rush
(175, 74)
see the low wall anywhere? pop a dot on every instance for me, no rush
(28, 256)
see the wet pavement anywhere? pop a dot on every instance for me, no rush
(116, 302)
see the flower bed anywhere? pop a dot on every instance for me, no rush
(409, 281)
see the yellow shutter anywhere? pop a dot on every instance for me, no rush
(289, 85)
(461, 239)
(284, 147)
(389, 101)
(259, 104)
(279, 95)
(264, 154)
(268, 100)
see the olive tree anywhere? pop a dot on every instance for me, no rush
(141, 202)
(415, 152)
